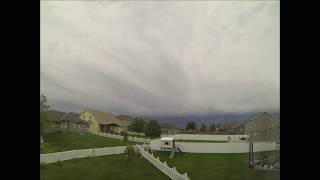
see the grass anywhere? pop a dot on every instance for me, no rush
(112, 167)
(57, 142)
(200, 141)
(216, 166)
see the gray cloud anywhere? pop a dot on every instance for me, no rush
(161, 58)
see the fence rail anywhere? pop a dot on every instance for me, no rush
(74, 154)
(162, 166)
(130, 138)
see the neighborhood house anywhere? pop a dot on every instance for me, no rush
(65, 122)
(104, 122)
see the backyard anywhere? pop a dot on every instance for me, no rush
(216, 166)
(112, 167)
(56, 142)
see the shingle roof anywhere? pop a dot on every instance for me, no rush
(107, 118)
(58, 116)
(124, 120)
(55, 116)
(73, 117)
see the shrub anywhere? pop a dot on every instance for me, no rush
(129, 154)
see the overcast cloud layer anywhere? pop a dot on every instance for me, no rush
(161, 58)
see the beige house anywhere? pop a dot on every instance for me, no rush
(65, 122)
(264, 127)
(104, 122)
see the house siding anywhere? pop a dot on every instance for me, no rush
(263, 128)
(93, 123)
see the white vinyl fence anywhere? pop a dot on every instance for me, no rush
(205, 137)
(67, 155)
(135, 133)
(162, 166)
(241, 147)
(130, 138)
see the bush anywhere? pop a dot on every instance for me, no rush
(152, 129)
(129, 154)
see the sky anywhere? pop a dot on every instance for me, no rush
(161, 58)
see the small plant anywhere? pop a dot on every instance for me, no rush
(43, 166)
(129, 154)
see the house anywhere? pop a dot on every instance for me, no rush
(263, 127)
(65, 122)
(104, 122)
(238, 128)
(226, 128)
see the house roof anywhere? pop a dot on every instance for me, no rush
(228, 125)
(275, 115)
(58, 116)
(73, 117)
(103, 117)
(108, 118)
(55, 116)
(124, 120)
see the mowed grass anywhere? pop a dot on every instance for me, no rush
(112, 167)
(57, 142)
(216, 166)
(200, 141)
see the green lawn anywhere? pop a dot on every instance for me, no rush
(200, 141)
(56, 142)
(216, 166)
(112, 167)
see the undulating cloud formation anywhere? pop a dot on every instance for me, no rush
(161, 58)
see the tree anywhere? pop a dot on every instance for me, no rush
(152, 129)
(203, 128)
(212, 128)
(191, 126)
(137, 125)
(44, 107)
(218, 126)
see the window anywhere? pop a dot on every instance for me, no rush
(166, 143)
(53, 125)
